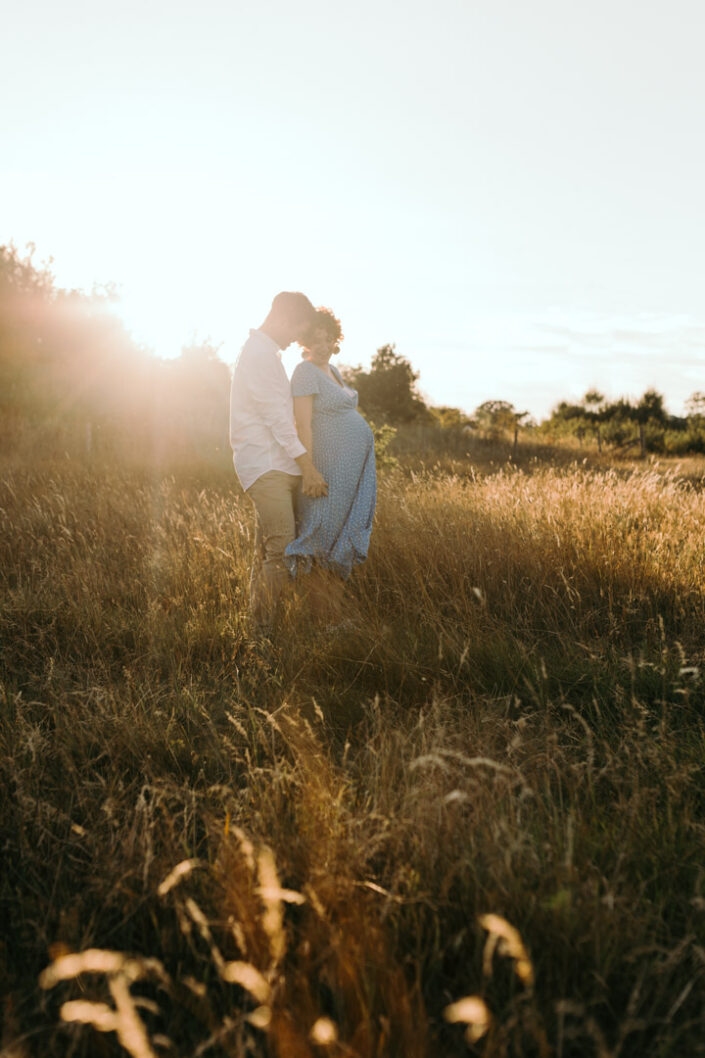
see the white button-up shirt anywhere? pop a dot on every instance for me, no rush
(262, 430)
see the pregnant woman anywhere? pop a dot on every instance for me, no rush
(333, 530)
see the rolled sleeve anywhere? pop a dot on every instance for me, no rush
(293, 448)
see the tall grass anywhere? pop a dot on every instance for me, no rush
(473, 824)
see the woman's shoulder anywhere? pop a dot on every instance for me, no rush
(304, 367)
(304, 379)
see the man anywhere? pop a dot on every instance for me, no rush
(269, 458)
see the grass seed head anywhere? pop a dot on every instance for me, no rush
(506, 939)
(248, 977)
(473, 1012)
(324, 1032)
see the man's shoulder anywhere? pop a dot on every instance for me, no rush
(257, 346)
(255, 342)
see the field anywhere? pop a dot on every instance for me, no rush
(492, 787)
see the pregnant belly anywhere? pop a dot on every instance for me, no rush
(345, 433)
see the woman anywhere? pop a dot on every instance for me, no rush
(333, 530)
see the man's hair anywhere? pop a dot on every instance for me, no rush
(289, 306)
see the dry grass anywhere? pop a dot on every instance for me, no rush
(473, 825)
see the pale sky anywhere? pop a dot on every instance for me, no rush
(510, 190)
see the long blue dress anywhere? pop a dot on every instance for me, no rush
(334, 530)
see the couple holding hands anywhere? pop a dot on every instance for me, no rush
(305, 456)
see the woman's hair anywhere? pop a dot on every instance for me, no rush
(324, 320)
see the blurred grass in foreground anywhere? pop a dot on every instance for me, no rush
(491, 790)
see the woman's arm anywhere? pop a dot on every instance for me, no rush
(303, 414)
(312, 484)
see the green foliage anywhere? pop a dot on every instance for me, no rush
(621, 423)
(497, 417)
(576, 418)
(26, 295)
(695, 407)
(387, 392)
(196, 388)
(450, 418)
(690, 441)
(21, 278)
(73, 380)
(650, 408)
(384, 436)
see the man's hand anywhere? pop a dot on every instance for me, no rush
(313, 484)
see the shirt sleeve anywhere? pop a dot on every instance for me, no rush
(270, 391)
(304, 381)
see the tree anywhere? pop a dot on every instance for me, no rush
(388, 390)
(450, 418)
(20, 277)
(496, 417)
(70, 370)
(27, 304)
(589, 414)
(695, 407)
(202, 389)
(651, 408)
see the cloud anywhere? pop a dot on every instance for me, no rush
(536, 362)
(623, 356)
(641, 332)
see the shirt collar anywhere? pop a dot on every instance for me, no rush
(267, 342)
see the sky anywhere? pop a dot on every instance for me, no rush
(509, 190)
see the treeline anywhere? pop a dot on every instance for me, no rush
(388, 392)
(619, 426)
(623, 424)
(72, 379)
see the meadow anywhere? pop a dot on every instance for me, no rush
(472, 824)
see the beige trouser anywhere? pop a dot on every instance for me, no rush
(273, 495)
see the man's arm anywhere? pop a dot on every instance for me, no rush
(268, 388)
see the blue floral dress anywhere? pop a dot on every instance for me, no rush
(334, 529)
